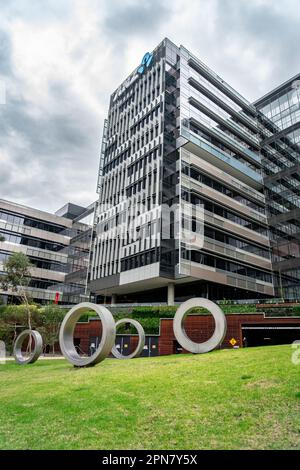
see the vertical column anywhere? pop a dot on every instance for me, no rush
(113, 299)
(171, 294)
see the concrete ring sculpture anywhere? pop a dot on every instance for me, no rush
(37, 350)
(141, 342)
(66, 334)
(216, 338)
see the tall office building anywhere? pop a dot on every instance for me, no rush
(178, 136)
(280, 113)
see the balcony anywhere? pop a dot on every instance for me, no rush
(225, 104)
(217, 81)
(220, 159)
(228, 123)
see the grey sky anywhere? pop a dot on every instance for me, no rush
(61, 59)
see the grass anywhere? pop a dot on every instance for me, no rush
(228, 399)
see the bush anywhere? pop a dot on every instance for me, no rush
(47, 319)
(14, 319)
(296, 310)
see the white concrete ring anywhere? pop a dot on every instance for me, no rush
(37, 350)
(220, 326)
(66, 335)
(141, 342)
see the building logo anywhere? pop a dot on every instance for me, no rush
(146, 62)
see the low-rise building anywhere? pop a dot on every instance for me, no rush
(47, 240)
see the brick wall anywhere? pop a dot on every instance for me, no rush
(198, 327)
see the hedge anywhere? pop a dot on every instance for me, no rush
(47, 319)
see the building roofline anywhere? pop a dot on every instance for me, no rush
(163, 41)
(38, 213)
(276, 90)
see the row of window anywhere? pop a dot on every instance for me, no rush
(136, 188)
(221, 146)
(119, 123)
(220, 187)
(139, 260)
(235, 242)
(43, 284)
(223, 212)
(39, 263)
(225, 265)
(121, 111)
(145, 119)
(142, 162)
(29, 241)
(218, 108)
(147, 81)
(144, 139)
(214, 88)
(226, 127)
(30, 222)
(143, 102)
(116, 161)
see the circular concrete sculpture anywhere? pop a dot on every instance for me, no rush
(141, 342)
(66, 333)
(220, 326)
(37, 350)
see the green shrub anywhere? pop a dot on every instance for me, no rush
(13, 319)
(296, 310)
(47, 319)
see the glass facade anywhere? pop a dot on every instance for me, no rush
(75, 283)
(178, 136)
(43, 238)
(280, 114)
(283, 107)
(57, 246)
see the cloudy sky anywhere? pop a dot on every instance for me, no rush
(61, 59)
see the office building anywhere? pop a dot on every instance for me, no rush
(48, 240)
(178, 136)
(78, 253)
(198, 195)
(280, 114)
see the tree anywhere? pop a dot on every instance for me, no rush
(2, 238)
(16, 278)
(12, 318)
(51, 319)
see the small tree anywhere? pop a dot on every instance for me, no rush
(51, 319)
(17, 278)
(2, 238)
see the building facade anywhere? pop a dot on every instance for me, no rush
(182, 209)
(198, 196)
(78, 255)
(48, 240)
(280, 113)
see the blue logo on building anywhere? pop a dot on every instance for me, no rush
(146, 62)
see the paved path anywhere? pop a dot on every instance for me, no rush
(40, 358)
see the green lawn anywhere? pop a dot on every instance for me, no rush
(229, 399)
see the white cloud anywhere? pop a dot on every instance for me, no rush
(61, 60)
